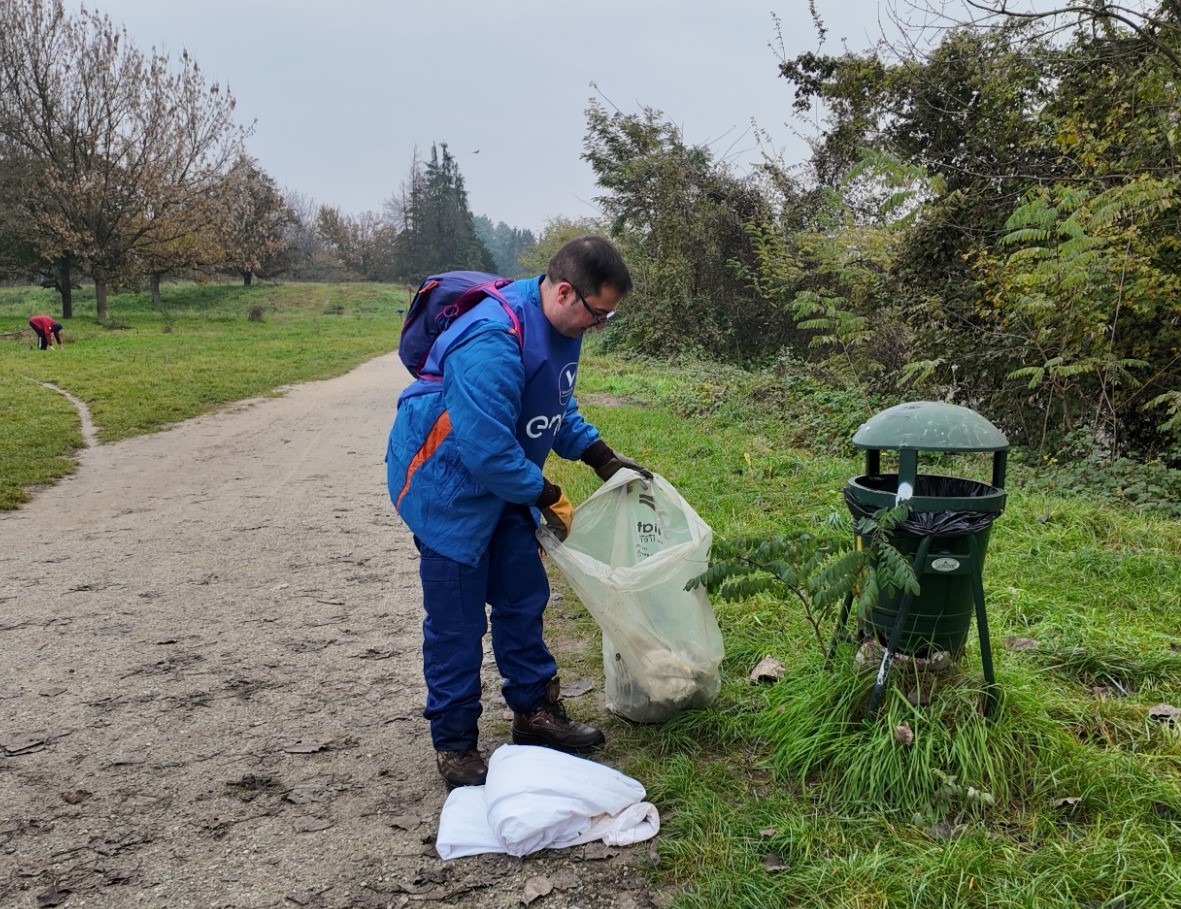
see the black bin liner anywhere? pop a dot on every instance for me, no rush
(929, 523)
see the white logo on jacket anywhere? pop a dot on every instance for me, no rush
(539, 426)
(566, 379)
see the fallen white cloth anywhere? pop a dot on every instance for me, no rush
(538, 798)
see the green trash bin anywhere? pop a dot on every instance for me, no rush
(954, 516)
(945, 534)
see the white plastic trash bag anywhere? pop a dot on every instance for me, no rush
(633, 547)
(537, 798)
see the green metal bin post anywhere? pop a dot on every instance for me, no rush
(946, 533)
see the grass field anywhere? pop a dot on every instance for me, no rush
(1069, 795)
(779, 795)
(147, 367)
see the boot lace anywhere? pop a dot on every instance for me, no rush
(557, 710)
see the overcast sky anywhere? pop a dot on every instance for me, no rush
(342, 91)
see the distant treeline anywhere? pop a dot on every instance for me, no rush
(992, 220)
(127, 167)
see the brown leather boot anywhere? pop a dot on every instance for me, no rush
(547, 725)
(462, 768)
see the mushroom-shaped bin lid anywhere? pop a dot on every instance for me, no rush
(930, 426)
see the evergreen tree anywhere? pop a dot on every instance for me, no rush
(438, 231)
(506, 244)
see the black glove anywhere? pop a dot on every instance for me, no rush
(556, 510)
(606, 463)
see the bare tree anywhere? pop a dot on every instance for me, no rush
(32, 38)
(112, 150)
(186, 239)
(356, 242)
(1156, 24)
(304, 242)
(254, 220)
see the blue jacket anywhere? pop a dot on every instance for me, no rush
(464, 446)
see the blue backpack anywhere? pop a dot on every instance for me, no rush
(439, 301)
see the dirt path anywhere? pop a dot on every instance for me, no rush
(210, 680)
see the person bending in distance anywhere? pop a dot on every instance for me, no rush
(45, 327)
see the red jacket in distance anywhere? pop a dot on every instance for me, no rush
(45, 324)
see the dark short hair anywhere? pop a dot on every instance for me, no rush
(588, 263)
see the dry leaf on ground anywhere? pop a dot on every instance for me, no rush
(768, 670)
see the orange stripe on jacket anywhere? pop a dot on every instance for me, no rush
(434, 439)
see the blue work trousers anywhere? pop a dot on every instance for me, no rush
(512, 581)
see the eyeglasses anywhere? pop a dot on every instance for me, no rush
(600, 316)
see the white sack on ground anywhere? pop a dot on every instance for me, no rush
(538, 798)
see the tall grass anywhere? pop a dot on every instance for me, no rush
(1067, 795)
